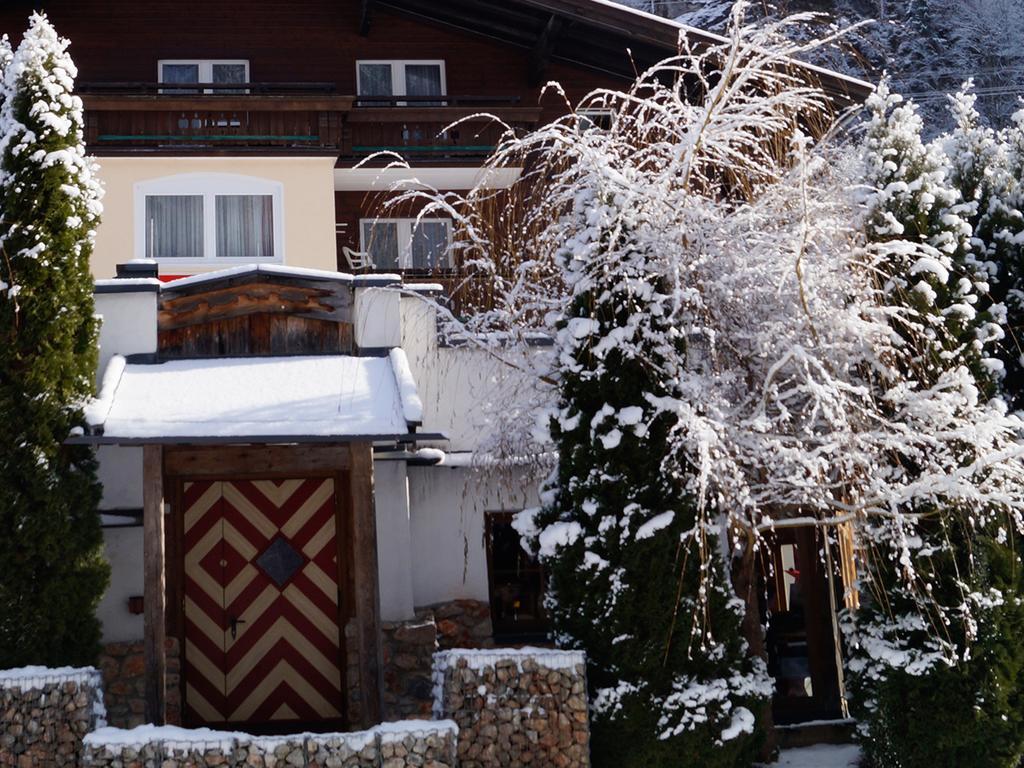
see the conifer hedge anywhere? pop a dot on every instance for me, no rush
(52, 573)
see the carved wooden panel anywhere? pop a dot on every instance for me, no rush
(256, 315)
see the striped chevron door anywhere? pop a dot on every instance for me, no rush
(261, 602)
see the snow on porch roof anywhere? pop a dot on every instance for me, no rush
(255, 399)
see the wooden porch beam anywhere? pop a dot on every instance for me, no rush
(540, 55)
(364, 18)
(154, 628)
(367, 589)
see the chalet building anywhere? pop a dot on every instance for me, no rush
(285, 441)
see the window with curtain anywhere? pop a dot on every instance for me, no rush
(424, 80)
(228, 73)
(180, 73)
(174, 227)
(209, 218)
(245, 226)
(401, 78)
(380, 241)
(375, 80)
(429, 248)
(407, 244)
(225, 71)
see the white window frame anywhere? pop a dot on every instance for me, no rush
(589, 113)
(405, 228)
(398, 74)
(205, 70)
(209, 185)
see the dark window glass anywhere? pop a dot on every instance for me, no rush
(516, 582)
(180, 73)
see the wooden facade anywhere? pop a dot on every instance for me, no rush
(254, 315)
(301, 97)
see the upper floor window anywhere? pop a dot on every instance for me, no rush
(407, 243)
(208, 217)
(401, 78)
(216, 71)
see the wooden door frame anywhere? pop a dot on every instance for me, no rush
(350, 465)
(826, 701)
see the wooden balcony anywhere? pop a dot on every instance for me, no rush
(293, 117)
(437, 128)
(247, 116)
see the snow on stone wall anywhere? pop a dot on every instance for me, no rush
(515, 707)
(45, 714)
(389, 745)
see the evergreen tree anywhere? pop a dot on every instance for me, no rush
(999, 240)
(627, 547)
(935, 668)
(50, 536)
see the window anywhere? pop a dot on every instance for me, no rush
(598, 119)
(217, 71)
(208, 217)
(516, 582)
(407, 243)
(401, 78)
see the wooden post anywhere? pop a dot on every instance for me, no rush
(367, 589)
(154, 628)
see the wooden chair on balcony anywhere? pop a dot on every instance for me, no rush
(357, 260)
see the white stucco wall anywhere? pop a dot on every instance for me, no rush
(127, 324)
(447, 508)
(377, 317)
(124, 552)
(120, 471)
(394, 542)
(307, 193)
(460, 386)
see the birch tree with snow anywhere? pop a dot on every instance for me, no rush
(720, 245)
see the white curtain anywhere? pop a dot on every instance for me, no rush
(180, 73)
(430, 245)
(375, 80)
(381, 241)
(174, 226)
(245, 226)
(423, 80)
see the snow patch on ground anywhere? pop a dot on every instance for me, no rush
(819, 756)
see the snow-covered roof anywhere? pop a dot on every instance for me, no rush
(280, 270)
(256, 399)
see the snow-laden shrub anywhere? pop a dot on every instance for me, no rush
(732, 353)
(50, 537)
(933, 648)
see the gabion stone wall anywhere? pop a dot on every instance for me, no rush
(408, 650)
(124, 683)
(46, 713)
(419, 743)
(515, 707)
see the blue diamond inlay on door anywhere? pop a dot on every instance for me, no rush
(280, 561)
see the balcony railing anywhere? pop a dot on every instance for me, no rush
(128, 116)
(211, 115)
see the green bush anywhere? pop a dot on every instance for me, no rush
(52, 573)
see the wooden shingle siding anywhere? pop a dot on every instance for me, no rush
(256, 316)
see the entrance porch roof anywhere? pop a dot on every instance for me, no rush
(335, 398)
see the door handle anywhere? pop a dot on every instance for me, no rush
(234, 621)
